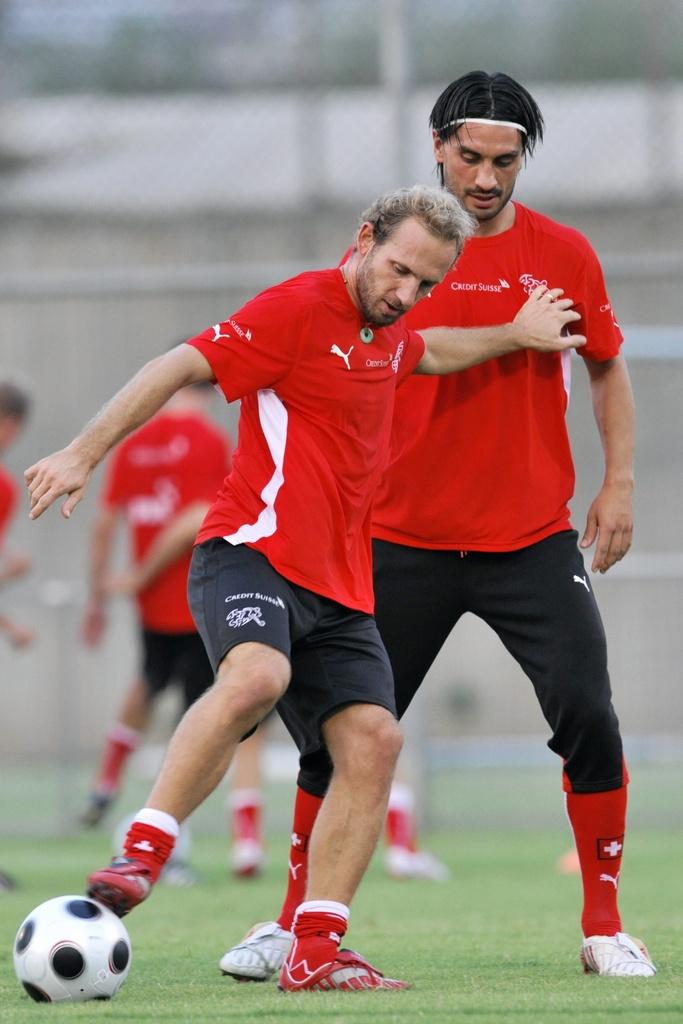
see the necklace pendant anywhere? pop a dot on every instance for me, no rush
(366, 335)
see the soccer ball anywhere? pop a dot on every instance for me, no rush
(71, 948)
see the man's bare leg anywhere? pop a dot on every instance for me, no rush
(364, 742)
(250, 680)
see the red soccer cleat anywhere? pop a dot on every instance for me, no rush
(350, 972)
(122, 885)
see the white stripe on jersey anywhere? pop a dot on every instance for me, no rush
(273, 419)
(566, 358)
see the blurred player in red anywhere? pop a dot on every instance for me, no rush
(474, 512)
(14, 409)
(160, 481)
(281, 579)
(403, 857)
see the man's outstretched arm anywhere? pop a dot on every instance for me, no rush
(67, 472)
(539, 324)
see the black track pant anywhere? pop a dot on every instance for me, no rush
(540, 603)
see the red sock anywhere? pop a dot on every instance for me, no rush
(245, 806)
(319, 926)
(400, 827)
(150, 845)
(599, 823)
(306, 807)
(120, 742)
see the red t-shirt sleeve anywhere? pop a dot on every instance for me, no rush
(603, 334)
(412, 354)
(255, 347)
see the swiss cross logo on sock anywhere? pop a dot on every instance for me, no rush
(144, 845)
(299, 842)
(610, 848)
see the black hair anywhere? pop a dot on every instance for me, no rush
(14, 401)
(496, 97)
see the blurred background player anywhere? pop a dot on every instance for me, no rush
(14, 410)
(490, 448)
(161, 480)
(244, 804)
(403, 858)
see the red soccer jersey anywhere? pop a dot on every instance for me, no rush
(481, 458)
(314, 430)
(8, 499)
(171, 462)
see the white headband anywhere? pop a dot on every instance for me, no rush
(483, 120)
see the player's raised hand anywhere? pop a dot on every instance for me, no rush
(545, 317)
(64, 472)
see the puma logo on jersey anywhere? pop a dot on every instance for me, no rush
(583, 581)
(336, 351)
(614, 879)
(239, 331)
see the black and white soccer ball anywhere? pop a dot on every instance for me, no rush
(73, 948)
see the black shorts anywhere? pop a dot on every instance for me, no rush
(540, 603)
(336, 654)
(175, 658)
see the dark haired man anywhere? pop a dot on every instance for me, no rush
(489, 446)
(281, 578)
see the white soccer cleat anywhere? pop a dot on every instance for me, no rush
(616, 956)
(405, 864)
(259, 955)
(247, 858)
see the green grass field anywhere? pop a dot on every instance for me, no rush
(497, 943)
